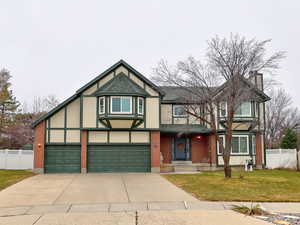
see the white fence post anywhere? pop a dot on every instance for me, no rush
(16, 159)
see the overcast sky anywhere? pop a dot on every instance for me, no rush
(55, 46)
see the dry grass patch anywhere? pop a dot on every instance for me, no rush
(259, 185)
(9, 177)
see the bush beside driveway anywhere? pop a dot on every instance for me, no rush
(257, 186)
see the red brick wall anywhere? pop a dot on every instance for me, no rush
(166, 148)
(83, 149)
(259, 155)
(200, 149)
(213, 149)
(39, 145)
(155, 148)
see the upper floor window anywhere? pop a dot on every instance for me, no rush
(243, 110)
(102, 105)
(140, 106)
(223, 109)
(179, 111)
(121, 104)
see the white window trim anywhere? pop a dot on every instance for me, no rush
(247, 115)
(182, 116)
(253, 144)
(103, 105)
(221, 109)
(138, 105)
(240, 153)
(121, 97)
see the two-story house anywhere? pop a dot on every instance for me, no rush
(122, 122)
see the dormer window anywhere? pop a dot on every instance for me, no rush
(121, 105)
(141, 106)
(102, 105)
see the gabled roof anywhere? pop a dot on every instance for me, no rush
(92, 82)
(121, 84)
(176, 94)
(250, 85)
(115, 66)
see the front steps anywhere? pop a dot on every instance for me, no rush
(186, 167)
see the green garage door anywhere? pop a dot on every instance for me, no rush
(119, 158)
(62, 159)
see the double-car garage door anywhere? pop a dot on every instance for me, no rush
(100, 158)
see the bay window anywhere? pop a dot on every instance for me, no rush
(121, 105)
(140, 106)
(102, 105)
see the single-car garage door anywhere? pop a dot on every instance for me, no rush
(119, 158)
(62, 159)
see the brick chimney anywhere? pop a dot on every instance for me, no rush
(257, 79)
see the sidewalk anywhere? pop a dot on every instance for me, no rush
(178, 217)
(143, 206)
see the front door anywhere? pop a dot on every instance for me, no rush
(180, 149)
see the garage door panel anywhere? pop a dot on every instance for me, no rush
(62, 159)
(119, 158)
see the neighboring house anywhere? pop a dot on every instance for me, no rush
(122, 122)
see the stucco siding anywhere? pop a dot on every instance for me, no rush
(180, 120)
(235, 160)
(105, 79)
(119, 137)
(57, 136)
(90, 90)
(137, 80)
(73, 136)
(98, 136)
(73, 114)
(152, 112)
(121, 69)
(151, 91)
(58, 119)
(121, 123)
(140, 137)
(89, 112)
(193, 119)
(166, 113)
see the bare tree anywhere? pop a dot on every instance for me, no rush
(40, 105)
(231, 61)
(280, 115)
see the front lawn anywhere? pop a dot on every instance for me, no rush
(260, 185)
(9, 177)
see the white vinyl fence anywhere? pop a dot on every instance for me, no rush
(281, 158)
(16, 159)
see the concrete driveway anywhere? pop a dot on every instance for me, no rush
(59, 189)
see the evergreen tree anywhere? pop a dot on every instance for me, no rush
(8, 106)
(290, 139)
